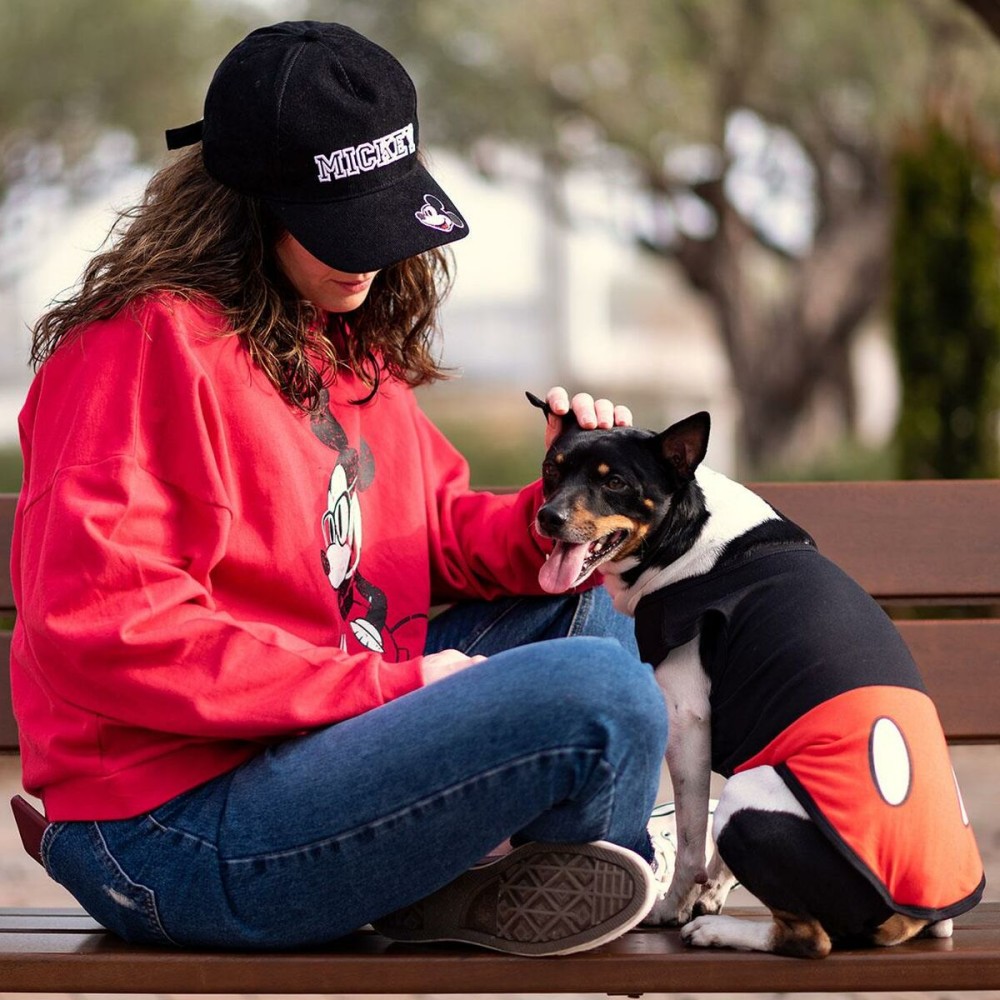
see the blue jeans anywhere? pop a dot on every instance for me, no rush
(557, 740)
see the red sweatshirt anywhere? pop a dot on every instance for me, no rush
(200, 569)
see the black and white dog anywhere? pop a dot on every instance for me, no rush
(841, 812)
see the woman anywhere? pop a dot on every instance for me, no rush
(233, 522)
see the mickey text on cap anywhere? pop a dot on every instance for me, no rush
(366, 156)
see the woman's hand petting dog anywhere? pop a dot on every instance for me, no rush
(590, 413)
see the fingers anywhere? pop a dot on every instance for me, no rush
(623, 416)
(604, 413)
(438, 666)
(589, 412)
(558, 399)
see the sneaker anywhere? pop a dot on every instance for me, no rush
(540, 899)
(662, 829)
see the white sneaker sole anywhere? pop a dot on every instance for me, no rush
(541, 899)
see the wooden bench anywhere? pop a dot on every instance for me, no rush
(932, 544)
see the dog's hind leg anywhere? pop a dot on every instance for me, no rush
(899, 928)
(775, 850)
(786, 933)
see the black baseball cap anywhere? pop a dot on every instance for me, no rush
(321, 124)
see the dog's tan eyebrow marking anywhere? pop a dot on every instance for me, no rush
(650, 503)
(603, 469)
(560, 458)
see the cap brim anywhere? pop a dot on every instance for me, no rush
(369, 232)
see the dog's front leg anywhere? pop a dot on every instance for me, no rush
(685, 687)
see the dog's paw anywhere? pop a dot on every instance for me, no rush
(672, 910)
(713, 895)
(702, 932)
(714, 931)
(676, 906)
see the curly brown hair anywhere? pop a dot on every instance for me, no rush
(194, 237)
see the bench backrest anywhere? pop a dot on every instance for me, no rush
(933, 546)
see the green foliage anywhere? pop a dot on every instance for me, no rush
(510, 458)
(10, 469)
(72, 69)
(946, 306)
(848, 460)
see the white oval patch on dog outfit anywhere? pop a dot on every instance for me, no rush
(890, 762)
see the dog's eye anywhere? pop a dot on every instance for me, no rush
(550, 472)
(615, 483)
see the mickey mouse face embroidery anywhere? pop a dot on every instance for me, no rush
(436, 216)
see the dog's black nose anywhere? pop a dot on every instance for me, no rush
(550, 519)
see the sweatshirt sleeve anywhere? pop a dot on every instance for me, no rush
(483, 545)
(120, 608)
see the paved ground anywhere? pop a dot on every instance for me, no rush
(24, 883)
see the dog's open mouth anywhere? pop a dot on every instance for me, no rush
(572, 562)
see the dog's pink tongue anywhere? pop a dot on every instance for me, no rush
(562, 568)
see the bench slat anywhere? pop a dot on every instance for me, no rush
(957, 658)
(652, 961)
(903, 540)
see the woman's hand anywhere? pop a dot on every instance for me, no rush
(437, 666)
(590, 413)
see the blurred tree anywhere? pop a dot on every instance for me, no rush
(946, 305)
(73, 71)
(738, 120)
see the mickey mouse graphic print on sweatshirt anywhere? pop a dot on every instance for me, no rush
(364, 607)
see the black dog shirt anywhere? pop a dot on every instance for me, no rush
(810, 676)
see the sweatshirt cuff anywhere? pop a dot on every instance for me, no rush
(397, 679)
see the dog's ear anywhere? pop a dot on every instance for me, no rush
(569, 421)
(684, 444)
(540, 403)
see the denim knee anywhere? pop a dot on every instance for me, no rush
(604, 683)
(594, 697)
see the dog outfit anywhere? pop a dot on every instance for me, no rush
(810, 676)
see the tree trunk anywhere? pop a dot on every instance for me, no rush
(786, 345)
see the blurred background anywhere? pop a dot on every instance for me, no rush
(783, 211)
